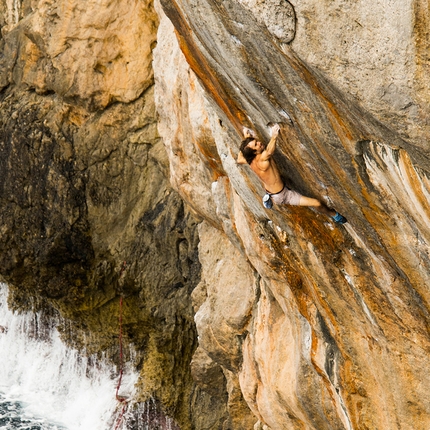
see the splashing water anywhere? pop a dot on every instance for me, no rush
(149, 416)
(46, 385)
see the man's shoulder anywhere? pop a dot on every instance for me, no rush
(261, 164)
(264, 157)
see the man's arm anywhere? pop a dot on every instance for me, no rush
(241, 159)
(247, 132)
(270, 149)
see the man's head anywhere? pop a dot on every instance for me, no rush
(250, 147)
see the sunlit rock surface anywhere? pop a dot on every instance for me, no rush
(120, 126)
(375, 50)
(338, 333)
(94, 52)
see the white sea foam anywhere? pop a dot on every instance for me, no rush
(52, 381)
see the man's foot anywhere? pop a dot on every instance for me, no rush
(339, 219)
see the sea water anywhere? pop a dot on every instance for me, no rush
(13, 415)
(45, 385)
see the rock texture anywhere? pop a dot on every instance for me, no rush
(87, 212)
(94, 53)
(120, 123)
(337, 328)
(375, 51)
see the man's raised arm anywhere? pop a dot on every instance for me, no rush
(271, 146)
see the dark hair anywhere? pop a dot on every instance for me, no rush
(248, 153)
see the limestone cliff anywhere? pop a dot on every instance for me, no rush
(118, 177)
(322, 327)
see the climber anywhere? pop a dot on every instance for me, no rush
(259, 158)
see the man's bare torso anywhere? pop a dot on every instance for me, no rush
(268, 173)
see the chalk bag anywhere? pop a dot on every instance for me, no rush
(267, 201)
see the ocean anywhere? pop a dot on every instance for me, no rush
(13, 415)
(46, 385)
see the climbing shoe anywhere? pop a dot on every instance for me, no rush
(339, 219)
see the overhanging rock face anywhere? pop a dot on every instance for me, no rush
(332, 327)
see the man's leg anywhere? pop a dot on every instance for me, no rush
(319, 206)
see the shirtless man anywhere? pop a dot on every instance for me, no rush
(259, 158)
